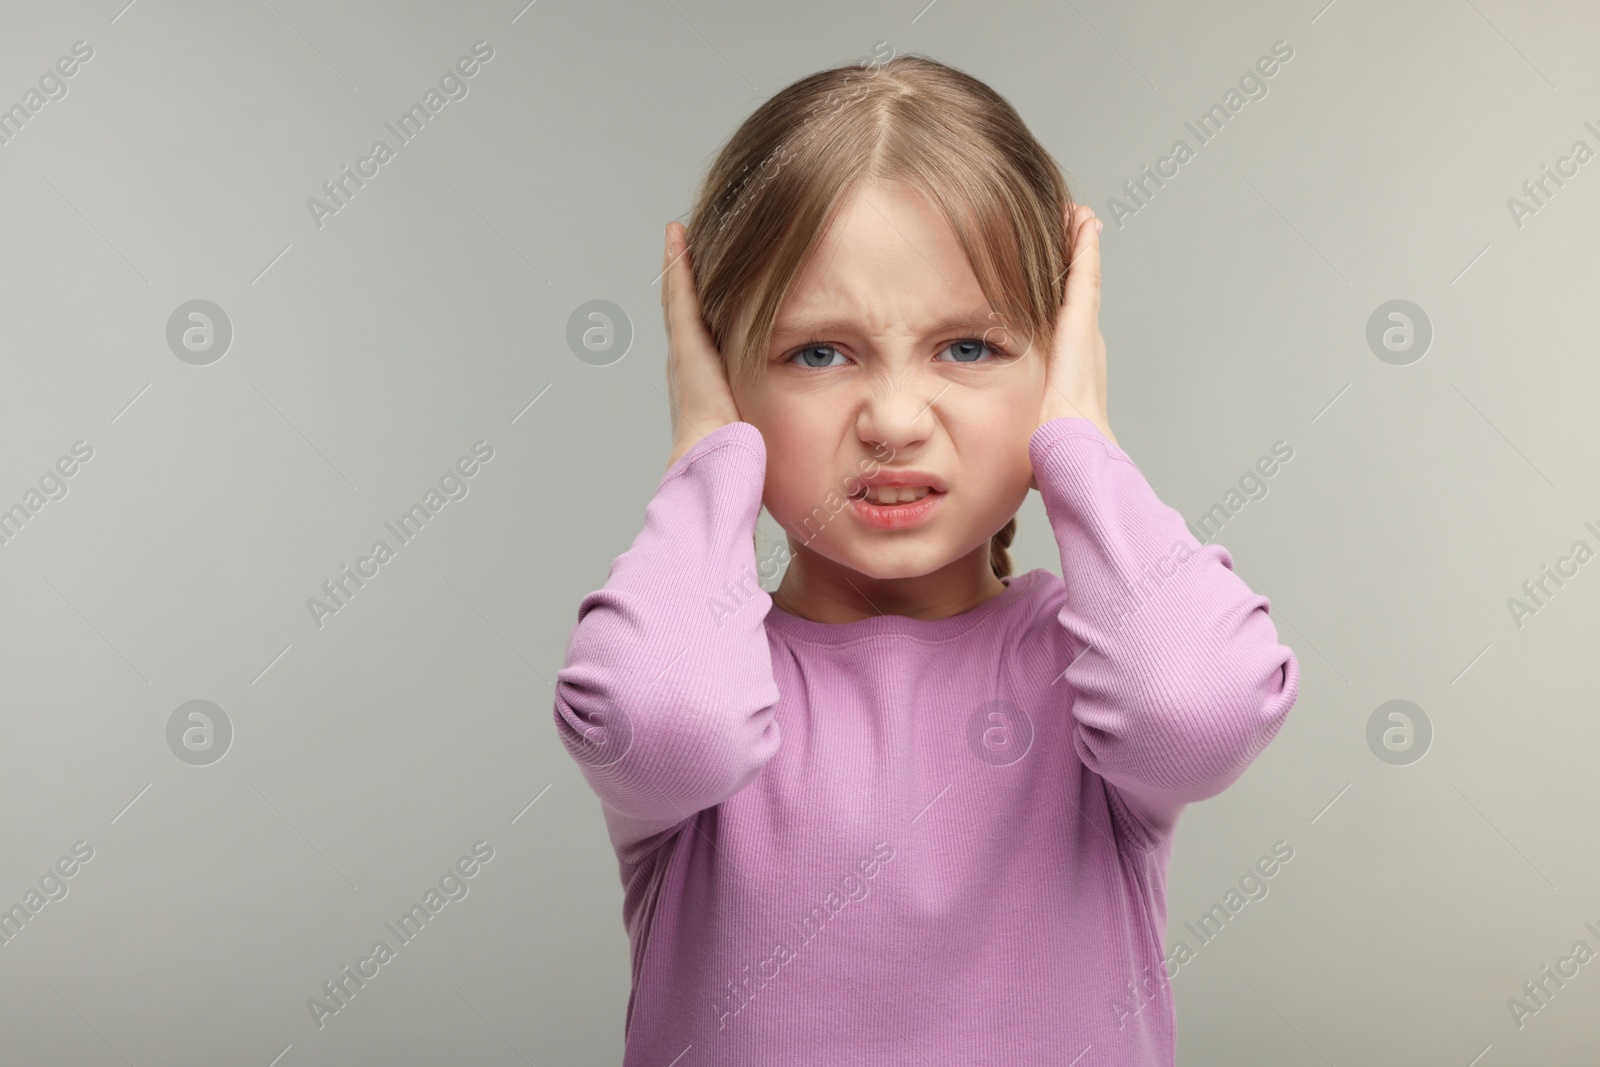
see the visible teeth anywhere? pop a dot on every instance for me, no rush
(896, 494)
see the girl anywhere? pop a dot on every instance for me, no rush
(909, 808)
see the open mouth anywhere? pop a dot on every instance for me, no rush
(893, 496)
(897, 507)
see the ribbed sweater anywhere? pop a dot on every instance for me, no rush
(909, 841)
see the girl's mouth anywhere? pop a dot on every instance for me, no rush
(894, 494)
(883, 508)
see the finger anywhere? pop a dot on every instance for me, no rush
(1073, 219)
(671, 286)
(667, 245)
(1082, 301)
(682, 306)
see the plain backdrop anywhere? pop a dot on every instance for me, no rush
(371, 348)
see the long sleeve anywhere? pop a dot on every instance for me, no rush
(1177, 677)
(666, 699)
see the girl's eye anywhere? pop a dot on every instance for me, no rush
(819, 355)
(806, 351)
(970, 349)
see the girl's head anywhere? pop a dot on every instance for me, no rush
(880, 255)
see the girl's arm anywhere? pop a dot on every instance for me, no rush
(666, 700)
(1177, 677)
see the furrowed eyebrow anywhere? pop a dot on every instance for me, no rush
(975, 322)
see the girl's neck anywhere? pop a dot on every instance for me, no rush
(817, 588)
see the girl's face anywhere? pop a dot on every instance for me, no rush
(886, 357)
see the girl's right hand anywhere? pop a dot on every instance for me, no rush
(697, 380)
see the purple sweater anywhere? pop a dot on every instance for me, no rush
(906, 841)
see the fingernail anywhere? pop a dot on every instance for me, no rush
(1098, 226)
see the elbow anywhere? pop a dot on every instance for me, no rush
(1213, 732)
(655, 759)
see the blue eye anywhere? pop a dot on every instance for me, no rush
(968, 350)
(819, 355)
(815, 346)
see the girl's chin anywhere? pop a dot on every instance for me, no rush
(889, 562)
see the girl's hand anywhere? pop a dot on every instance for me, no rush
(697, 381)
(1075, 380)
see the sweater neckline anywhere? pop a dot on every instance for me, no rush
(836, 633)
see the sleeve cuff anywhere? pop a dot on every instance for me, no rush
(1053, 432)
(740, 435)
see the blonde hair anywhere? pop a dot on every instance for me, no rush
(775, 187)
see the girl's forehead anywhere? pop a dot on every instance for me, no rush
(878, 296)
(886, 317)
(892, 219)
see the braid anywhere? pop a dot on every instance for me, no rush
(999, 559)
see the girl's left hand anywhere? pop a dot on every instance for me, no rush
(1075, 379)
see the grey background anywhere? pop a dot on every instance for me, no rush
(431, 312)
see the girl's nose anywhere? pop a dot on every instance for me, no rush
(898, 413)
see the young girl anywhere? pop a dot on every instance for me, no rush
(909, 808)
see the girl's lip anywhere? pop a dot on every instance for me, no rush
(896, 516)
(884, 476)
